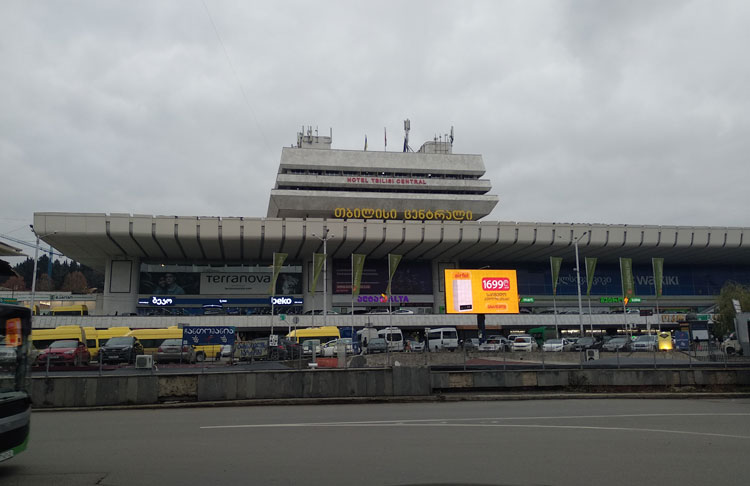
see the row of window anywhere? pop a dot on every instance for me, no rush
(419, 175)
(399, 190)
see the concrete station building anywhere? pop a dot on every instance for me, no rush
(426, 206)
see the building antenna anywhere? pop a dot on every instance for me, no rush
(407, 127)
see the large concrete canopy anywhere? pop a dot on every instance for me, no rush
(95, 238)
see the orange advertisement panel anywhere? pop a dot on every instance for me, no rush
(13, 336)
(481, 291)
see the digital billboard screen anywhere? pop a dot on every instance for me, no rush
(481, 291)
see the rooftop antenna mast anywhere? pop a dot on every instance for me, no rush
(451, 135)
(407, 127)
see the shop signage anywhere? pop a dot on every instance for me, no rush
(416, 214)
(208, 335)
(387, 180)
(382, 298)
(250, 283)
(619, 300)
(161, 301)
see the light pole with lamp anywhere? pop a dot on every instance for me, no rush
(578, 282)
(33, 276)
(324, 239)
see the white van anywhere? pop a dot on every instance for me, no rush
(442, 338)
(394, 337)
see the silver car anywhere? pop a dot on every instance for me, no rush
(175, 350)
(645, 342)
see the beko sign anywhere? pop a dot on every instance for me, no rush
(284, 300)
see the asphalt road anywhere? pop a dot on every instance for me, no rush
(529, 442)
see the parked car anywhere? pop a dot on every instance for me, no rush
(66, 352)
(293, 348)
(494, 343)
(415, 346)
(557, 345)
(120, 349)
(584, 343)
(379, 310)
(524, 342)
(471, 344)
(645, 342)
(330, 348)
(503, 340)
(310, 345)
(731, 345)
(403, 312)
(376, 345)
(617, 344)
(226, 351)
(174, 350)
(286, 349)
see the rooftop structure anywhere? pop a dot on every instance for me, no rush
(432, 184)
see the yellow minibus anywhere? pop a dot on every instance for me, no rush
(151, 339)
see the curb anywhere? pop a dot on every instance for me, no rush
(411, 399)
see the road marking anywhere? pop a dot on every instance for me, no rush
(562, 417)
(493, 422)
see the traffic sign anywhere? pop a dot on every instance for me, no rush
(527, 300)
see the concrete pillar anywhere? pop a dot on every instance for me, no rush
(438, 283)
(121, 280)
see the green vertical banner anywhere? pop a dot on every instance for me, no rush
(358, 264)
(658, 266)
(590, 268)
(318, 260)
(278, 261)
(626, 275)
(555, 263)
(393, 261)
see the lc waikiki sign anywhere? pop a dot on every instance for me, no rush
(481, 291)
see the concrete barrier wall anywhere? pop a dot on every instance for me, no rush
(460, 357)
(498, 379)
(93, 391)
(90, 391)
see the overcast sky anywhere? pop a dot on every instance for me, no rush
(584, 111)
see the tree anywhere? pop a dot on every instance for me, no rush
(76, 283)
(60, 270)
(724, 320)
(15, 283)
(44, 283)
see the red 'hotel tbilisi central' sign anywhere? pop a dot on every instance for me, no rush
(384, 180)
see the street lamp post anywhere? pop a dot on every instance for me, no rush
(578, 282)
(324, 239)
(33, 276)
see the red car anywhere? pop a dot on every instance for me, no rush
(67, 352)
